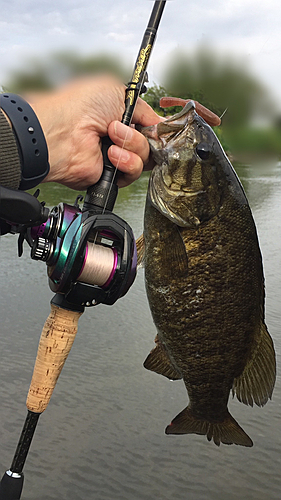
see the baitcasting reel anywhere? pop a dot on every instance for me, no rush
(90, 252)
(90, 256)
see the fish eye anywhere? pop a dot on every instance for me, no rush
(203, 150)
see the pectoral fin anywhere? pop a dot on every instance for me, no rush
(256, 383)
(158, 361)
(140, 250)
(174, 258)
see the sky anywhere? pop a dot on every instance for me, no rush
(248, 28)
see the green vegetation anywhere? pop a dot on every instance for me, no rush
(153, 96)
(253, 143)
(223, 84)
(218, 82)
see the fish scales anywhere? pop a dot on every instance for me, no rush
(204, 280)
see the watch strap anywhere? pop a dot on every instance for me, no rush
(30, 139)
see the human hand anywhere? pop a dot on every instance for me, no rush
(76, 116)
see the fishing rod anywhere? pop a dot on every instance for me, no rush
(74, 242)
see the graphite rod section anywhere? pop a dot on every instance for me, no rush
(11, 483)
(24, 442)
(103, 194)
(134, 87)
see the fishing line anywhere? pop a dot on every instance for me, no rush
(115, 170)
(99, 265)
(223, 113)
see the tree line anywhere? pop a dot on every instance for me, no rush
(223, 83)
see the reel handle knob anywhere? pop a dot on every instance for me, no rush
(103, 194)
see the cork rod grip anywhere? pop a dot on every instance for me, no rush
(56, 340)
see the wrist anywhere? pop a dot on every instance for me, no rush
(57, 125)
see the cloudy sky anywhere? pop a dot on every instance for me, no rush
(249, 28)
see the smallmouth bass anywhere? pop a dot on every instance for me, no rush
(204, 280)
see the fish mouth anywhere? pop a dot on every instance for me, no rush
(164, 195)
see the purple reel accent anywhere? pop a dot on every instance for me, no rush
(37, 231)
(133, 271)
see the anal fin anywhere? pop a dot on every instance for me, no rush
(158, 361)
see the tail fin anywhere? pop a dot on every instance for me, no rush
(228, 431)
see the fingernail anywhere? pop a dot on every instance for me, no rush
(123, 131)
(119, 154)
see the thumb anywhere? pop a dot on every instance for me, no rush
(144, 115)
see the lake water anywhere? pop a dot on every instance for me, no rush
(102, 435)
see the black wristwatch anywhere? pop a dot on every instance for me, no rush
(30, 139)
